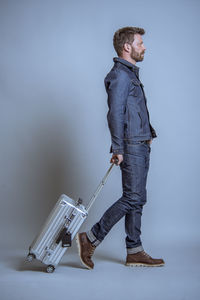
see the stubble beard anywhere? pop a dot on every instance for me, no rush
(136, 56)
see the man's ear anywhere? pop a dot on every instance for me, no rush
(127, 47)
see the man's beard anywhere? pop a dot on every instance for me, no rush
(136, 56)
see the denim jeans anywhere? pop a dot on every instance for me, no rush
(134, 168)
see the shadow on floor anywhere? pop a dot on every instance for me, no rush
(19, 263)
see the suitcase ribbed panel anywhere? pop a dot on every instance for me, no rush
(59, 251)
(50, 229)
(44, 246)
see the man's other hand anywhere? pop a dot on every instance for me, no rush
(118, 156)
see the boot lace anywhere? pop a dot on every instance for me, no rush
(147, 255)
(91, 250)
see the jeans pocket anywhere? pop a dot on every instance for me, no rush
(149, 146)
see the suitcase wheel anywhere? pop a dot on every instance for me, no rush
(50, 269)
(30, 257)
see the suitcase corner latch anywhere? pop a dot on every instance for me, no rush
(79, 201)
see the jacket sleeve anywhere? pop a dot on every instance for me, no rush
(117, 87)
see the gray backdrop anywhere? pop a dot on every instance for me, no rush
(54, 56)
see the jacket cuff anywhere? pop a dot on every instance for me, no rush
(153, 132)
(116, 151)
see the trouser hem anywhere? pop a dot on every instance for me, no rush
(92, 238)
(134, 250)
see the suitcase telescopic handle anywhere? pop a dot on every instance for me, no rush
(100, 186)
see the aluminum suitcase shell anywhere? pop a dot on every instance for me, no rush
(67, 216)
(44, 246)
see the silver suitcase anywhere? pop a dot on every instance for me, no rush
(60, 228)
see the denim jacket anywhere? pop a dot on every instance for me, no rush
(128, 116)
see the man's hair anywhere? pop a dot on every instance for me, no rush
(125, 35)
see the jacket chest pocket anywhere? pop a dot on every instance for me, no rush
(136, 88)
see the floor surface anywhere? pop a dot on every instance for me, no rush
(179, 279)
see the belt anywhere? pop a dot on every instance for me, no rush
(139, 142)
(146, 141)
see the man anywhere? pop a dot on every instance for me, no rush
(131, 135)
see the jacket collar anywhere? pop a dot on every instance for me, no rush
(128, 64)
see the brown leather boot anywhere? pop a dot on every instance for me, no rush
(143, 259)
(86, 249)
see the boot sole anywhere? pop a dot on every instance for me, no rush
(143, 265)
(79, 251)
